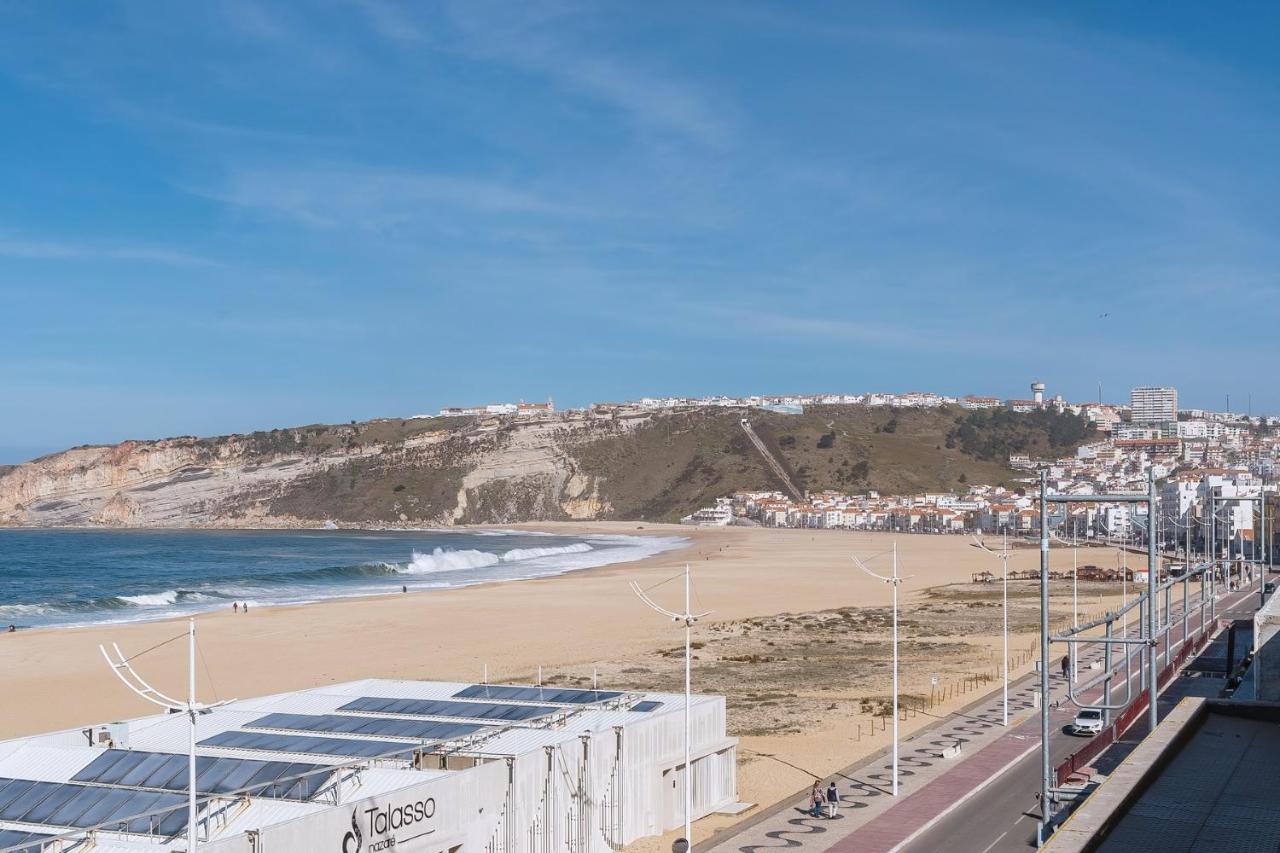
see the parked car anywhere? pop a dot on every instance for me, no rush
(1087, 722)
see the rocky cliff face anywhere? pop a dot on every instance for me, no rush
(383, 472)
(441, 471)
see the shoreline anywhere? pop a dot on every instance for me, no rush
(335, 594)
(794, 628)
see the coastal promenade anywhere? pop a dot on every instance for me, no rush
(990, 768)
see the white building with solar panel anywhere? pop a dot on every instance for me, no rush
(376, 765)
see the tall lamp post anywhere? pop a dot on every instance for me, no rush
(1075, 591)
(125, 672)
(688, 617)
(1004, 559)
(893, 580)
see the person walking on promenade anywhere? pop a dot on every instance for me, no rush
(1066, 665)
(833, 799)
(815, 801)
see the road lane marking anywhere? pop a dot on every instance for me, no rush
(997, 841)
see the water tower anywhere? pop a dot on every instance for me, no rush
(1037, 393)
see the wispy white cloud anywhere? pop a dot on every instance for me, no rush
(540, 42)
(38, 249)
(356, 196)
(60, 250)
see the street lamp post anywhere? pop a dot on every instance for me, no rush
(688, 617)
(120, 665)
(893, 580)
(1004, 559)
(1075, 592)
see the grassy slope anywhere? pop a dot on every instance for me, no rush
(676, 462)
(683, 461)
(912, 458)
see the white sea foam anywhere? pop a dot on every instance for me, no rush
(153, 599)
(440, 560)
(516, 554)
(439, 568)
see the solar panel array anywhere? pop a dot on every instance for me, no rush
(557, 695)
(166, 771)
(271, 742)
(81, 806)
(447, 708)
(646, 706)
(11, 838)
(418, 730)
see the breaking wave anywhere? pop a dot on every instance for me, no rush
(442, 560)
(263, 574)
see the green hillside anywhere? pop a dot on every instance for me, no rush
(684, 460)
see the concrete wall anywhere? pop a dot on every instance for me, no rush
(1266, 660)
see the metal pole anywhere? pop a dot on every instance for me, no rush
(1005, 558)
(1153, 567)
(895, 669)
(1106, 663)
(688, 617)
(1186, 610)
(1043, 825)
(191, 745)
(1262, 532)
(688, 698)
(1075, 601)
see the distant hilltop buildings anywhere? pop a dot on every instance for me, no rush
(521, 409)
(1152, 413)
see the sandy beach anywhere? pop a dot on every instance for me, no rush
(798, 640)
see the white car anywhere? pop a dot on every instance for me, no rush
(1087, 722)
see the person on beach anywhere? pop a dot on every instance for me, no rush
(245, 607)
(235, 607)
(833, 800)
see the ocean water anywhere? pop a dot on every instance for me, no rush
(79, 577)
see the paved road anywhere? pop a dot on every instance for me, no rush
(1003, 817)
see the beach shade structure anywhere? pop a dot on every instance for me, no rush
(688, 617)
(124, 670)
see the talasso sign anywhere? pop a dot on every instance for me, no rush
(387, 827)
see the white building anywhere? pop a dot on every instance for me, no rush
(377, 765)
(1152, 405)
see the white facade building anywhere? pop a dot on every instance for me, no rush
(1152, 405)
(377, 765)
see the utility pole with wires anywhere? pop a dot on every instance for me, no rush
(893, 580)
(1003, 556)
(688, 617)
(129, 676)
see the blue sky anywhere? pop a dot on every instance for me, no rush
(236, 215)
